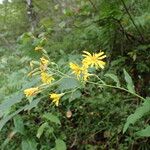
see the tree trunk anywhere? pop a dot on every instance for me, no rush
(32, 16)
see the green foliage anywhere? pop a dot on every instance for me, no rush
(144, 133)
(114, 78)
(139, 113)
(68, 83)
(28, 144)
(19, 125)
(5, 119)
(6, 105)
(130, 85)
(52, 118)
(41, 129)
(60, 144)
(90, 117)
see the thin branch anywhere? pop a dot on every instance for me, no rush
(127, 34)
(127, 11)
(95, 8)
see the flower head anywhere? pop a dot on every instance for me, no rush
(44, 61)
(94, 60)
(85, 75)
(76, 69)
(43, 64)
(38, 48)
(31, 91)
(31, 64)
(80, 72)
(56, 97)
(46, 78)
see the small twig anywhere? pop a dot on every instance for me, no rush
(95, 8)
(127, 11)
(128, 35)
(74, 142)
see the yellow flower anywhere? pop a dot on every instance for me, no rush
(56, 97)
(80, 72)
(38, 48)
(31, 64)
(44, 61)
(46, 78)
(43, 64)
(76, 69)
(94, 60)
(31, 91)
(85, 74)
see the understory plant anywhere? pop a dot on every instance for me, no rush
(79, 74)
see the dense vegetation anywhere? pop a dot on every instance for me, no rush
(55, 98)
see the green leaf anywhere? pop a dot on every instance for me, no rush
(144, 133)
(113, 77)
(19, 126)
(130, 85)
(5, 119)
(13, 99)
(50, 130)
(52, 118)
(32, 104)
(29, 144)
(139, 112)
(6, 141)
(75, 95)
(62, 24)
(41, 129)
(68, 83)
(60, 144)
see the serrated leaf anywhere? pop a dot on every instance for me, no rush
(139, 112)
(128, 79)
(144, 133)
(52, 118)
(18, 123)
(60, 144)
(41, 129)
(113, 77)
(29, 144)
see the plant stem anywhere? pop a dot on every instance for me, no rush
(116, 87)
(106, 85)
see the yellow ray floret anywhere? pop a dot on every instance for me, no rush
(46, 78)
(85, 74)
(44, 61)
(80, 72)
(31, 91)
(31, 64)
(43, 64)
(94, 60)
(76, 69)
(55, 98)
(38, 48)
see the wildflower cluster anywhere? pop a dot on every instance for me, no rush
(89, 60)
(46, 78)
(45, 70)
